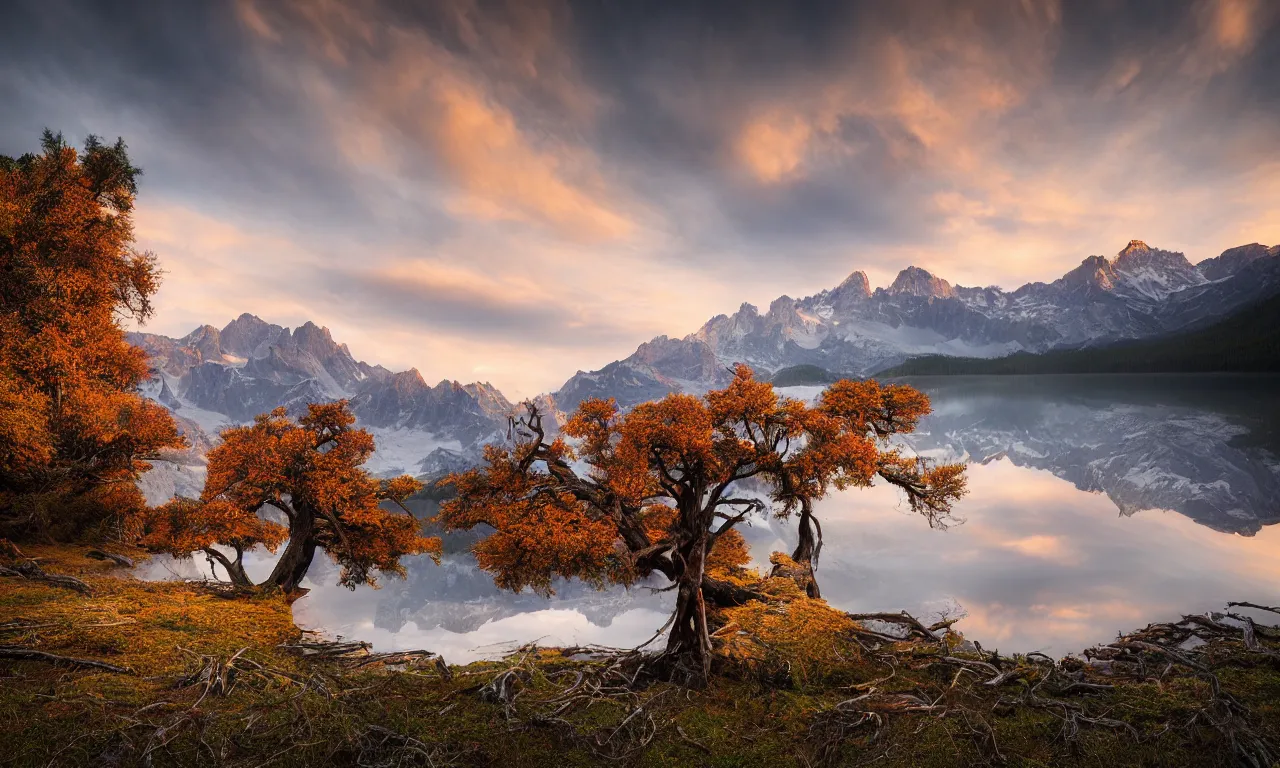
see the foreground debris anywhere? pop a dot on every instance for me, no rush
(219, 681)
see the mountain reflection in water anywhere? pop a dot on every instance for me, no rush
(1097, 504)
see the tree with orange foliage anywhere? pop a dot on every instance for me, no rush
(665, 482)
(865, 408)
(74, 432)
(311, 472)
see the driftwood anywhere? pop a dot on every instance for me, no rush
(30, 654)
(329, 649)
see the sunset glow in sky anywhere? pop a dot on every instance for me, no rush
(512, 191)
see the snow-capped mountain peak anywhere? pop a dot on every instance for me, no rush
(914, 281)
(1152, 273)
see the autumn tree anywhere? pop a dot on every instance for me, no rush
(655, 489)
(74, 432)
(309, 471)
(876, 413)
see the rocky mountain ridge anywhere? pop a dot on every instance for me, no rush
(854, 330)
(212, 377)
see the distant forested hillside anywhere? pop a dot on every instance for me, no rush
(1248, 341)
(802, 375)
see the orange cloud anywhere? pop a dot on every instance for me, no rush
(934, 84)
(1044, 547)
(773, 147)
(504, 177)
(216, 269)
(1228, 31)
(391, 94)
(1233, 23)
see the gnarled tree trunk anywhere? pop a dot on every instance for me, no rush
(688, 654)
(298, 553)
(723, 594)
(807, 549)
(809, 546)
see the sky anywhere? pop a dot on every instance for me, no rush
(513, 191)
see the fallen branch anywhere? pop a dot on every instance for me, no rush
(1254, 605)
(22, 625)
(330, 649)
(913, 625)
(30, 654)
(98, 554)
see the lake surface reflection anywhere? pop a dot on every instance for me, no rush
(1096, 505)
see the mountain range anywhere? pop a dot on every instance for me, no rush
(212, 377)
(852, 330)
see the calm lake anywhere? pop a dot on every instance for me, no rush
(1097, 504)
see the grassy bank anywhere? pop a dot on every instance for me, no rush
(209, 679)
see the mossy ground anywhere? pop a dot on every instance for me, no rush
(761, 709)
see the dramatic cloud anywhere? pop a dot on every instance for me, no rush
(517, 189)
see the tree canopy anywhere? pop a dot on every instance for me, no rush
(74, 432)
(655, 489)
(311, 471)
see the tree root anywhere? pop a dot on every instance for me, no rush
(610, 678)
(218, 677)
(378, 746)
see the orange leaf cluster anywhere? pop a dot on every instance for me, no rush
(729, 557)
(805, 634)
(184, 525)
